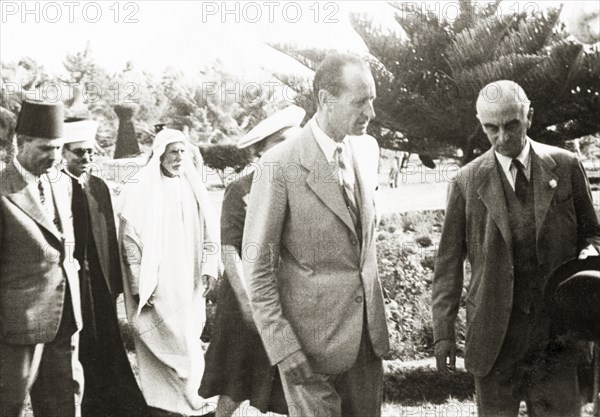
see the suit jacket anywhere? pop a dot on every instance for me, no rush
(37, 260)
(477, 226)
(313, 278)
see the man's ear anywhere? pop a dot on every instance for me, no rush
(529, 117)
(326, 98)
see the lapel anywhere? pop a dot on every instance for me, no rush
(542, 171)
(25, 197)
(97, 218)
(367, 208)
(61, 190)
(491, 193)
(322, 177)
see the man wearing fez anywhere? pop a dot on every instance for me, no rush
(516, 213)
(309, 252)
(111, 389)
(40, 309)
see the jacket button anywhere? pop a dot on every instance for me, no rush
(358, 299)
(353, 241)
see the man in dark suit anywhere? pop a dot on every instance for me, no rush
(111, 388)
(40, 309)
(516, 212)
(315, 293)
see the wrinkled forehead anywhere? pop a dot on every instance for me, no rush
(175, 145)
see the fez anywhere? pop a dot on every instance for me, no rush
(41, 119)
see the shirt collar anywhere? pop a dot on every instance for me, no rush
(327, 145)
(81, 180)
(524, 157)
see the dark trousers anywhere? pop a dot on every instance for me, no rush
(355, 393)
(531, 366)
(557, 394)
(50, 373)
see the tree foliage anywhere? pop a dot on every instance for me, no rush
(427, 87)
(221, 157)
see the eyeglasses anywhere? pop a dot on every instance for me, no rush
(80, 152)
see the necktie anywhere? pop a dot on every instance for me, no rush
(348, 188)
(520, 181)
(42, 192)
(47, 201)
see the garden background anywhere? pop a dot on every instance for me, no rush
(429, 63)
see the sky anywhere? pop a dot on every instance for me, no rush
(181, 34)
(187, 35)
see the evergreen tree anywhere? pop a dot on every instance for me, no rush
(427, 87)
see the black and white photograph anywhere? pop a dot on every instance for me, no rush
(300, 208)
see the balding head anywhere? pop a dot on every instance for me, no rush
(504, 112)
(503, 93)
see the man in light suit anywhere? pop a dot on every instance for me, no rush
(110, 386)
(516, 212)
(309, 252)
(40, 312)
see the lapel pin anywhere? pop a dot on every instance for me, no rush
(552, 183)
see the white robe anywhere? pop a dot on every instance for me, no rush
(167, 335)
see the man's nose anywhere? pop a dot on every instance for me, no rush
(56, 154)
(370, 111)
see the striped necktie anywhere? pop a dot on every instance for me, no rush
(47, 200)
(348, 187)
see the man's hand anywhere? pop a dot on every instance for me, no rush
(149, 303)
(589, 250)
(210, 284)
(296, 368)
(445, 355)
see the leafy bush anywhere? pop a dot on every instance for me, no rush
(406, 261)
(424, 241)
(221, 157)
(415, 384)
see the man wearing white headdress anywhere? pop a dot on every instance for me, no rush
(170, 251)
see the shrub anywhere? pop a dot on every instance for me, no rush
(406, 268)
(424, 241)
(222, 157)
(413, 385)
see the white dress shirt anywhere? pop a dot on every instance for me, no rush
(329, 146)
(510, 170)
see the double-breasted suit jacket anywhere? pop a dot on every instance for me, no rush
(311, 278)
(477, 227)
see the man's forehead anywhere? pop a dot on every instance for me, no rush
(500, 112)
(45, 142)
(358, 77)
